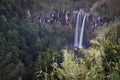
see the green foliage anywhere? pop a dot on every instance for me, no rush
(43, 65)
(31, 51)
(23, 42)
(76, 68)
(102, 60)
(112, 52)
(109, 8)
(15, 8)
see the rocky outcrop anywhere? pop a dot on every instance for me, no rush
(2, 17)
(28, 15)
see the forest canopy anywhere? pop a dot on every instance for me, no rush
(31, 49)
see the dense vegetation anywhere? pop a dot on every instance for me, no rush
(32, 51)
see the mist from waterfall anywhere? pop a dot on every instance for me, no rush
(78, 40)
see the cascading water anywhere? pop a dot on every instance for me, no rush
(78, 41)
(81, 34)
(76, 31)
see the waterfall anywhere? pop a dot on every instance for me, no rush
(76, 30)
(79, 29)
(81, 34)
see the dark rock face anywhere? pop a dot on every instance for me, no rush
(62, 17)
(66, 18)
